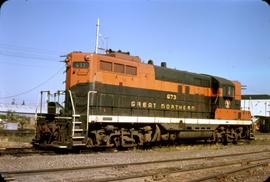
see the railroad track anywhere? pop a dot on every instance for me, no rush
(23, 151)
(162, 174)
(236, 170)
(244, 164)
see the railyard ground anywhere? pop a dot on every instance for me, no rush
(10, 163)
(262, 142)
(15, 141)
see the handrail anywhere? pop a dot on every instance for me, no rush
(88, 100)
(72, 103)
(73, 112)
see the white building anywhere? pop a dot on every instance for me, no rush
(258, 105)
(23, 110)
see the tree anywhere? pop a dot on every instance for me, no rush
(11, 116)
(22, 122)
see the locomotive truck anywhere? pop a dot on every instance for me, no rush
(116, 100)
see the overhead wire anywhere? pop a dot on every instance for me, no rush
(26, 48)
(37, 86)
(18, 64)
(27, 56)
(29, 53)
(33, 59)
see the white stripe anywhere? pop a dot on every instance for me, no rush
(135, 119)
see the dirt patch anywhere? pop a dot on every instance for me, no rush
(13, 141)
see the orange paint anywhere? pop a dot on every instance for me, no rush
(144, 79)
(237, 88)
(230, 114)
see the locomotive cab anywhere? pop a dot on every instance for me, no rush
(226, 99)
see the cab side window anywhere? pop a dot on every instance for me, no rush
(228, 91)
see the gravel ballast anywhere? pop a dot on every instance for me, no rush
(11, 163)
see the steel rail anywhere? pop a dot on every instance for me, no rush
(23, 151)
(180, 170)
(226, 173)
(121, 165)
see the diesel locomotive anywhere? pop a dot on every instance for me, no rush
(116, 100)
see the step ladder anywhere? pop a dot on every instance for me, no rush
(78, 131)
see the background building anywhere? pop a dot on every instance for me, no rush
(19, 109)
(258, 105)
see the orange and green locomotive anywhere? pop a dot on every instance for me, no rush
(116, 100)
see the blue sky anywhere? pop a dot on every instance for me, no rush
(227, 38)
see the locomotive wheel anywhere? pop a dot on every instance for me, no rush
(117, 141)
(89, 143)
(235, 138)
(224, 139)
